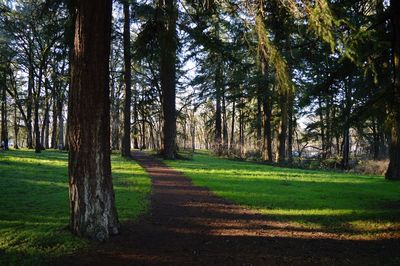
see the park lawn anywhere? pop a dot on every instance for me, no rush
(34, 210)
(350, 205)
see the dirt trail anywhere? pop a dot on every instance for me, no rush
(188, 225)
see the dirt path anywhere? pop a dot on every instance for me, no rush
(188, 225)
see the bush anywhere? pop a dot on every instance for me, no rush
(372, 167)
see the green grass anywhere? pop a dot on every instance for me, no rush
(354, 205)
(34, 208)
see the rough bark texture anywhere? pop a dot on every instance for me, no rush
(167, 75)
(393, 171)
(126, 138)
(92, 205)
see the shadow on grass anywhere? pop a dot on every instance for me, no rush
(34, 211)
(333, 202)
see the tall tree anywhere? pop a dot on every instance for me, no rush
(393, 171)
(126, 138)
(168, 45)
(92, 204)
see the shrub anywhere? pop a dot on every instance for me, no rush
(372, 167)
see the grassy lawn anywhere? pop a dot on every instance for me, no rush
(34, 208)
(354, 206)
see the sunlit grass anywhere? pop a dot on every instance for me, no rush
(34, 208)
(362, 206)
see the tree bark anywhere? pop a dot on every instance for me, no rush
(126, 138)
(393, 171)
(168, 45)
(92, 204)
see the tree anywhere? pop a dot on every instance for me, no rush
(393, 171)
(92, 204)
(126, 138)
(168, 44)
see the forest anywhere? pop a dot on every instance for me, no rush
(291, 91)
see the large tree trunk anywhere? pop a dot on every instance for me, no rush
(168, 45)
(92, 205)
(126, 138)
(393, 171)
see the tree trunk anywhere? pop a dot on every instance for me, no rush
(60, 135)
(45, 125)
(283, 127)
(224, 125)
(143, 146)
(291, 122)
(126, 138)
(55, 122)
(38, 146)
(232, 142)
(29, 138)
(135, 121)
(4, 116)
(16, 127)
(393, 171)
(346, 128)
(346, 147)
(168, 45)
(259, 120)
(92, 204)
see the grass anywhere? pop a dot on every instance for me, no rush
(354, 206)
(34, 208)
